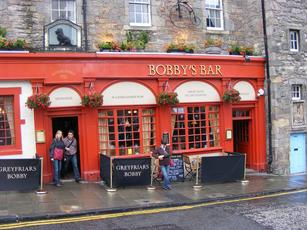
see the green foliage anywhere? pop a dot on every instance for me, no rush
(2, 32)
(231, 95)
(167, 98)
(38, 101)
(93, 100)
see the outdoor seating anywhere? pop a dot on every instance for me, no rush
(190, 167)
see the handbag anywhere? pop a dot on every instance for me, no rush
(58, 154)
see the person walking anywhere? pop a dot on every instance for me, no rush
(56, 152)
(163, 154)
(71, 155)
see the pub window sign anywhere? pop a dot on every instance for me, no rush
(62, 35)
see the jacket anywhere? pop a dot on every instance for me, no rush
(72, 146)
(56, 144)
(160, 151)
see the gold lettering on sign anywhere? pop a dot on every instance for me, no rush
(185, 70)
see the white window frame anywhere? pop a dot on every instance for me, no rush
(149, 12)
(296, 92)
(59, 10)
(294, 40)
(215, 9)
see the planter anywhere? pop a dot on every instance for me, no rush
(231, 96)
(38, 101)
(93, 100)
(109, 50)
(167, 98)
(213, 50)
(234, 53)
(179, 51)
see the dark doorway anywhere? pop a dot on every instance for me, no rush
(65, 124)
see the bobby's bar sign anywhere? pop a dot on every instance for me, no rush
(185, 70)
(19, 174)
(132, 171)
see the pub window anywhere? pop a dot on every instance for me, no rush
(139, 12)
(195, 127)
(127, 131)
(294, 40)
(296, 91)
(7, 137)
(64, 9)
(214, 14)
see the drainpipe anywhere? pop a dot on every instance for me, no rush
(84, 9)
(268, 81)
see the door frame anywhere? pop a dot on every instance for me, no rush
(66, 112)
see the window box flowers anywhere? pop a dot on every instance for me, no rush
(231, 96)
(167, 98)
(38, 101)
(92, 100)
(108, 46)
(213, 46)
(18, 44)
(179, 48)
(241, 50)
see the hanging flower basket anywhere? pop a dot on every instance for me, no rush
(92, 100)
(231, 95)
(38, 101)
(167, 98)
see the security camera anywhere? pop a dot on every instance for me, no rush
(260, 92)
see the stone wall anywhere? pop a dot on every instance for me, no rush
(243, 24)
(286, 68)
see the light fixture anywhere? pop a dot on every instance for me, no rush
(260, 92)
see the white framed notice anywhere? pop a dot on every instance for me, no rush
(40, 136)
(228, 134)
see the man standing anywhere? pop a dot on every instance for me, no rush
(70, 154)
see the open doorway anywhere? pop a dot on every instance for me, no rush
(242, 140)
(65, 124)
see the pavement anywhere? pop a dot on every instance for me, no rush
(73, 199)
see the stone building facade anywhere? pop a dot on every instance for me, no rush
(288, 73)
(242, 23)
(26, 19)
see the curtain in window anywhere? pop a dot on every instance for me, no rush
(104, 134)
(7, 136)
(146, 129)
(214, 127)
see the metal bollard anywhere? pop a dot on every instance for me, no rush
(244, 181)
(151, 187)
(41, 190)
(197, 186)
(111, 189)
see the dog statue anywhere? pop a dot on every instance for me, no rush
(63, 40)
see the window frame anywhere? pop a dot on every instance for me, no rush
(221, 10)
(186, 128)
(16, 148)
(294, 42)
(294, 91)
(116, 131)
(149, 14)
(59, 9)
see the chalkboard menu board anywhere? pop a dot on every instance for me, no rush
(176, 171)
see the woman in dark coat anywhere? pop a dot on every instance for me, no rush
(163, 154)
(57, 145)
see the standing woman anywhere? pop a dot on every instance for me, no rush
(56, 155)
(163, 154)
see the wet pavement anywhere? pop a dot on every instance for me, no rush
(91, 198)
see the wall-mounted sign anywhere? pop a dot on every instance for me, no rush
(64, 97)
(247, 92)
(228, 134)
(40, 136)
(185, 70)
(197, 91)
(128, 93)
(62, 35)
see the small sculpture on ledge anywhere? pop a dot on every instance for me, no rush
(63, 40)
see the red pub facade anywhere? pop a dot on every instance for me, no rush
(130, 123)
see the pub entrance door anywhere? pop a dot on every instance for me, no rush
(242, 130)
(65, 124)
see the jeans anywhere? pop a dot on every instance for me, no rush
(57, 165)
(165, 170)
(73, 160)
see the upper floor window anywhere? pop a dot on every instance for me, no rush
(296, 91)
(214, 14)
(294, 40)
(64, 9)
(7, 136)
(139, 12)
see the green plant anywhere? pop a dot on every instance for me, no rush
(167, 98)
(38, 101)
(182, 47)
(231, 95)
(92, 100)
(135, 40)
(2, 32)
(235, 49)
(20, 44)
(108, 45)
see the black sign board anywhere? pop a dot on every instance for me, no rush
(219, 169)
(19, 174)
(176, 171)
(126, 171)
